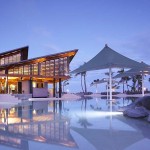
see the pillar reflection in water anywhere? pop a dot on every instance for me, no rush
(110, 114)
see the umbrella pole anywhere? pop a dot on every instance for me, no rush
(107, 89)
(96, 89)
(142, 84)
(110, 83)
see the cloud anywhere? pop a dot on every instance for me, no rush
(138, 47)
(51, 48)
(41, 31)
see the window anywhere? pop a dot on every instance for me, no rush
(61, 66)
(66, 67)
(56, 67)
(16, 70)
(21, 70)
(51, 69)
(42, 69)
(11, 71)
(10, 59)
(18, 57)
(6, 60)
(47, 68)
(26, 70)
(2, 61)
(35, 69)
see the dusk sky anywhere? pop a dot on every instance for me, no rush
(52, 26)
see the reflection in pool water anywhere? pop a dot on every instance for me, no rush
(69, 125)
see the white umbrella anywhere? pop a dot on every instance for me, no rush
(136, 71)
(108, 58)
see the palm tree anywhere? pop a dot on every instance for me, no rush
(65, 82)
(134, 83)
(139, 82)
(114, 86)
(81, 81)
(83, 76)
(122, 79)
(126, 80)
(83, 121)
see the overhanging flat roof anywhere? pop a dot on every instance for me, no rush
(69, 54)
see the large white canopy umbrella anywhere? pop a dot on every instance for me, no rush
(108, 58)
(136, 71)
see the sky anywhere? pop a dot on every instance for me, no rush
(52, 26)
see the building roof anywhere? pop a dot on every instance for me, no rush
(69, 54)
(23, 50)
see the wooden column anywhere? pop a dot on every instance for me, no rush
(60, 102)
(30, 86)
(20, 86)
(54, 88)
(60, 88)
(6, 81)
(39, 68)
(54, 94)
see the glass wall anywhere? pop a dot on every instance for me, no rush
(26, 70)
(43, 72)
(2, 72)
(56, 67)
(10, 59)
(51, 67)
(56, 71)
(35, 69)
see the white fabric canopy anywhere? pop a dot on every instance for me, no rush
(136, 71)
(108, 58)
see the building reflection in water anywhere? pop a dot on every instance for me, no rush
(35, 121)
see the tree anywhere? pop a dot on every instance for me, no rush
(114, 85)
(134, 83)
(139, 82)
(83, 121)
(122, 79)
(83, 78)
(64, 84)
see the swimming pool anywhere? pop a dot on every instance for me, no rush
(86, 124)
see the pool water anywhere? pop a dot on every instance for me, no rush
(86, 124)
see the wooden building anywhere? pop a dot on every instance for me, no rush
(21, 75)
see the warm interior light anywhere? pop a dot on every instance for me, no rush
(12, 86)
(34, 84)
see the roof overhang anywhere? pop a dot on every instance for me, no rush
(70, 54)
(23, 50)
